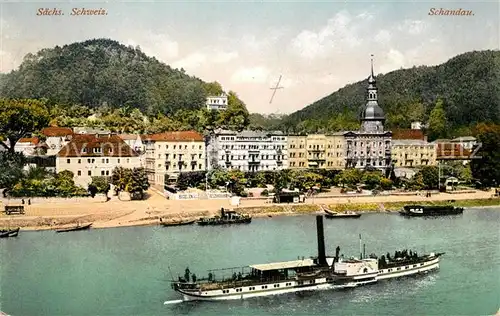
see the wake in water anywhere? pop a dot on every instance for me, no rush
(393, 288)
(172, 302)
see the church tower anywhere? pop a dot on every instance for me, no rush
(372, 117)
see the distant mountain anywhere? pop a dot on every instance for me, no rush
(468, 84)
(103, 72)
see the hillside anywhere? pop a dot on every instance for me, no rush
(102, 72)
(468, 84)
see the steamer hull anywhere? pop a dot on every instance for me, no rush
(306, 274)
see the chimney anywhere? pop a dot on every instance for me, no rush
(321, 240)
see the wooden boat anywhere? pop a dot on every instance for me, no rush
(71, 229)
(226, 217)
(9, 233)
(346, 214)
(177, 223)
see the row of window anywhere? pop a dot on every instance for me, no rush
(89, 173)
(263, 287)
(406, 267)
(103, 160)
(96, 150)
(252, 157)
(179, 166)
(274, 138)
(174, 156)
(250, 147)
(180, 146)
(251, 167)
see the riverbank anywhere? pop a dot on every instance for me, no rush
(117, 213)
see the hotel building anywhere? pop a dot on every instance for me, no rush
(247, 150)
(316, 151)
(168, 154)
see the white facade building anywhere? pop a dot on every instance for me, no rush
(217, 102)
(134, 141)
(56, 138)
(247, 150)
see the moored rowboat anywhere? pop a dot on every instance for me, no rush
(177, 223)
(9, 233)
(76, 228)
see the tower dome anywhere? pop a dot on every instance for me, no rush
(373, 111)
(372, 116)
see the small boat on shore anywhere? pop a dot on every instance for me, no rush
(345, 214)
(430, 210)
(72, 229)
(177, 223)
(226, 217)
(9, 233)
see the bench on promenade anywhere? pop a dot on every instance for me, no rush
(14, 209)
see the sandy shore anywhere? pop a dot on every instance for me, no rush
(115, 213)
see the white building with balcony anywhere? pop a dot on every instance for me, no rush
(247, 150)
(219, 102)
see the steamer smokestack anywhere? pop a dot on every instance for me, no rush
(321, 240)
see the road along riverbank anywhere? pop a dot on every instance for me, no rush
(117, 213)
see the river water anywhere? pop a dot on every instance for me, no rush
(125, 271)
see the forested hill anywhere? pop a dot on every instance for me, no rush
(104, 72)
(468, 85)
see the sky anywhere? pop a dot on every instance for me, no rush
(317, 46)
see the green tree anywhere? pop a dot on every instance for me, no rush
(235, 117)
(437, 121)
(139, 182)
(121, 179)
(430, 177)
(485, 166)
(417, 182)
(386, 184)
(371, 179)
(305, 180)
(11, 168)
(349, 177)
(19, 118)
(101, 184)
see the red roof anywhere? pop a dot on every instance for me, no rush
(176, 136)
(451, 151)
(408, 134)
(32, 140)
(85, 145)
(57, 131)
(128, 136)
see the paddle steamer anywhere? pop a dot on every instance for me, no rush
(306, 274)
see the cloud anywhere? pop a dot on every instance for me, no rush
(383, 37)
(257, 74)
(204, 58)
(393, 60)
(191, 61)
(328, 80)
(154, 44)
(340, 32)
(260, 43)
(413, 27)
(222, 57)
